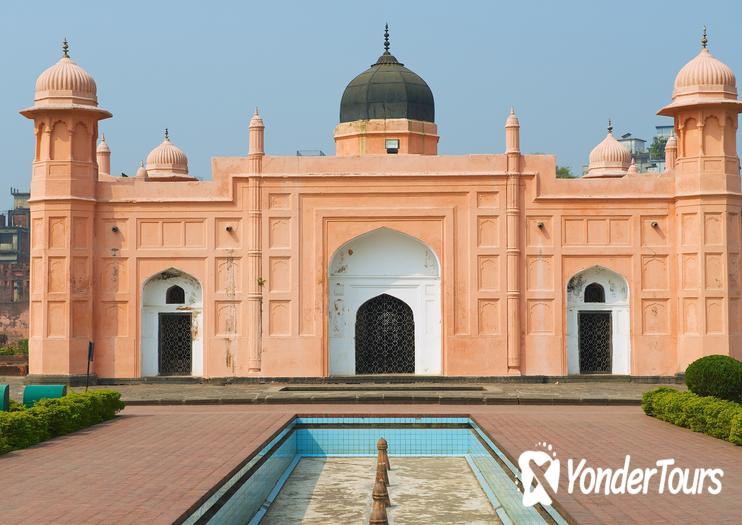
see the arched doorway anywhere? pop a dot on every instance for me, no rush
(385, 337)
(396, 271)
(172, 311)
(598, 324)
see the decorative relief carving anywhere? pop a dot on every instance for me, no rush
(279, 318)
(654, 273)
(279, 232)
(540, 317)
(487, 232)
(80, 277)
(56, 319)
(226, 319)
(81, 319)
(279, 274)
(489, 317)
(80, 233)
(689, 271)
(712, 228)
(57, 232)
(689, 229)
(36, 316)
(227, 275)
(37, 275)
(57, 275)
(115, 321)
(540, 273)
(654, 317)
(114, 276)
(714, 271)
(489, 272)
(714, 316)
(37, 232)
(690, 315)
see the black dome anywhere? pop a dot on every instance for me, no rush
(387, 90)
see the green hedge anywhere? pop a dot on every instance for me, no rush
(715, 375)
(710, 415)
(22, 427)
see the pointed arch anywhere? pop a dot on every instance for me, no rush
(384, 261)
(172, 324)
(598, 322)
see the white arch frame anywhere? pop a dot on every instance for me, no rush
(616, 301)
(420, 290)
(153, 303)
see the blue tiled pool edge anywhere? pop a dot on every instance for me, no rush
(242, 500)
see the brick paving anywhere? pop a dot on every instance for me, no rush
(154, 462)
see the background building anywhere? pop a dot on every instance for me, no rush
(14, 267)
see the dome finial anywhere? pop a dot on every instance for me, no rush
(102, 137)
(610, 127)
(65, 48)
(167, 135)
(386, 39)
(704, 39)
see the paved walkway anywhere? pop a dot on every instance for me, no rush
(569, 393)
(154, 462)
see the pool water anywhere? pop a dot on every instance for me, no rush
(321, 470)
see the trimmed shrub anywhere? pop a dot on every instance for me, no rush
(716, 417)
(22, 427)
(715, 375)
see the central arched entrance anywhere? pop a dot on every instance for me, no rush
(384, 306)
(385, 337)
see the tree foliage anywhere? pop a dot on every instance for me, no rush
(564, 172)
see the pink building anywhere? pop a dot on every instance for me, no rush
(386, 258)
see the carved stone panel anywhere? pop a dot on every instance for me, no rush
(489, 317)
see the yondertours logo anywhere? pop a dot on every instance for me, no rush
(541, 469)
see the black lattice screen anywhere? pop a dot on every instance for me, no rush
(595, 342)
(175, 344)
(385, 337)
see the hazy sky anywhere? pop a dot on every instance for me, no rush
(200, 68)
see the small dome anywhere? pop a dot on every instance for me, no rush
(609, 158)
(141, 171)
(672, 143)
(703, 80)
(102, 146)
(167, 159)
(67, 82)
(705, 70)
(387, 90)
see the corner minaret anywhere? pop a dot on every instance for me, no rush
(63, 191)
(705, 107)
(103, 156)
(255, 281)
(387, 109)
(513, 242)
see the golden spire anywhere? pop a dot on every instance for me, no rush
(65, 49)
(704, 38)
